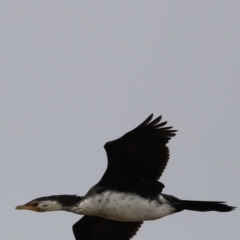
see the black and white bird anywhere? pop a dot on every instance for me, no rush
(129, 191)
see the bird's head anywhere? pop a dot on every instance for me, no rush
(51, 203)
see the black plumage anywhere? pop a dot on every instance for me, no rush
(96, 228)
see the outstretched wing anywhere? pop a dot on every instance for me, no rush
(140, 154)
(96, 228)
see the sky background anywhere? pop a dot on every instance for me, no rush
(76, 74)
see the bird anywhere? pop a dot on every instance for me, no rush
(129, 192)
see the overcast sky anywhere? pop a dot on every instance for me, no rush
(76, 74)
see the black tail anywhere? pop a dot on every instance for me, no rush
(204, 206)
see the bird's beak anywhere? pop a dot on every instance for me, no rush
(28, 207)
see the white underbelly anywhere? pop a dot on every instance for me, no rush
(124, 207)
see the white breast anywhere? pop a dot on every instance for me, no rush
(120, 206)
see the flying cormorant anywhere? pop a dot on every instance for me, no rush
(129, 191)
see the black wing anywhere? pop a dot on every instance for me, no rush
(140, 154)
(96, 228)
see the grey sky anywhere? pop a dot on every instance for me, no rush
(75, 74)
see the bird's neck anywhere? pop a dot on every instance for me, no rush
(67, 202)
